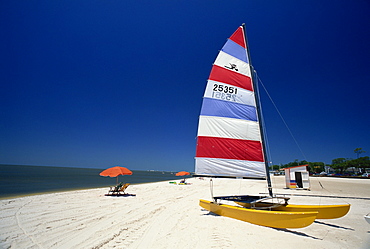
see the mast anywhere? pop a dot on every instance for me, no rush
(256, 95)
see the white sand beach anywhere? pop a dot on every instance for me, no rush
(163, 215)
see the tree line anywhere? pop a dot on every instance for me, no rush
(340, 165)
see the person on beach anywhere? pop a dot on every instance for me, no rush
(117, 188)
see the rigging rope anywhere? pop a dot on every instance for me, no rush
(322, 188)
(211, 187)
(281, 116)
(263, 123)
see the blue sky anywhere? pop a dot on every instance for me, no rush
(103, 83)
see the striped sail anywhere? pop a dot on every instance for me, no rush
(229, 139)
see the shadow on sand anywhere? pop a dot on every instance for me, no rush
(120, 195)
(332, 225)
(209, 213)
(296, 233)
(278, 229)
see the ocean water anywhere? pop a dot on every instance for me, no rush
(19, 180)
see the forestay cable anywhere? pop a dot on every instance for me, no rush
(286, 125)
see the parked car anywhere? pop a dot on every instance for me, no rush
(366, 175)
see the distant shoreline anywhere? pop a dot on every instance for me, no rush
(17, 181)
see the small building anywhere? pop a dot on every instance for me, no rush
(297, 177)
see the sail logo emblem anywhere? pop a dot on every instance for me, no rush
(232, 67)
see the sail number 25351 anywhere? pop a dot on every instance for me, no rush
(225, 89)
(224, 92)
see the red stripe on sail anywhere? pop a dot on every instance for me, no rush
(227, 148)
(238, 37)
(224, 75)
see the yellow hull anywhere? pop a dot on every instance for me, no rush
(324, 211)
(276, 219)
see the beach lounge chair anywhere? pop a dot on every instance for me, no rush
(115, 189)
(118, 189)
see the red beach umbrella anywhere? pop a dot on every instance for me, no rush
(116, 171)
(182, 173)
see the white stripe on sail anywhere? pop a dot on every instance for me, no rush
(223, 167)
(210, 126)
(222, 91)
(227, 61)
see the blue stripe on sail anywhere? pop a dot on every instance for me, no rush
(235, 50)
(220, 108)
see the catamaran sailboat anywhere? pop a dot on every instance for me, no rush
(230, 143)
